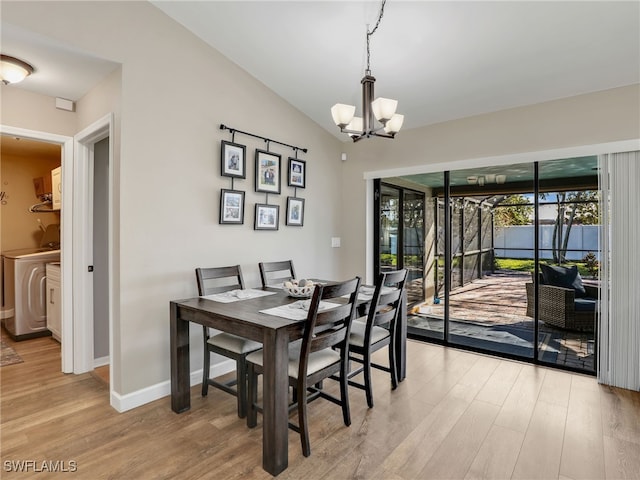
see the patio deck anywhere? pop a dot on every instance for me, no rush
(490, 313)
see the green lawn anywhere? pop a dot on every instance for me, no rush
(526, 265)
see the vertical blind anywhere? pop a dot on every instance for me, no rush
(620, 302)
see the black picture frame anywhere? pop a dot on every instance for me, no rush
(267, 217)
(295, 212)
(231, 207)
(233, 159)
(297, 173)
(267, 171)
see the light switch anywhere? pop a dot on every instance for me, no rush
(335, 242)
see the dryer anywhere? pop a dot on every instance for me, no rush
(25, 287)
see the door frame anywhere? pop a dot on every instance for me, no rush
(84, 142)
(66, 239)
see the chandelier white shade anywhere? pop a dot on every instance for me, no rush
(355, 125)
(342, 114)
(382, 110)
(394, 124)
(13, 70)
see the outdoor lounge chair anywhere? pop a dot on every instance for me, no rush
(565, 306)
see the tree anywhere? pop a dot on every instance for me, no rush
(573, 208)
(517, 210)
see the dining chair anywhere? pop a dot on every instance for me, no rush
(322, 353)
(273, 273)
(377, 330)
(217, 280)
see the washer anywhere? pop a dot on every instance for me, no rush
(25, 286)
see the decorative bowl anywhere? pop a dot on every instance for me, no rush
(299, 288)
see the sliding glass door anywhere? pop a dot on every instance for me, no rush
(487, 294)
(500, 247)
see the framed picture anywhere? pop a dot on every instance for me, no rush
(297, 173)
(232, 206)
(266, 217)
(267, 172)
(295, 211)
(233, 160)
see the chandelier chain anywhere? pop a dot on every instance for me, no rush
(370, 33)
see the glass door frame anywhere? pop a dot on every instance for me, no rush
(377, 227)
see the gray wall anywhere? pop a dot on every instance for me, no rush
(100, 249)
(166, 169)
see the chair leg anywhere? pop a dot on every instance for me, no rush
(241, 386)
(303, 421)
(392, 365)
(205, 371)
(367, 377)
(344, 391)
(252, 396)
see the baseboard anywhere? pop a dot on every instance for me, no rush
(101, 362)
(122, 403)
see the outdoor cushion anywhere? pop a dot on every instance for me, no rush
(565, 277)
(585, 304)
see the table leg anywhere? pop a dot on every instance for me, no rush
(179, 346)
(275, 434)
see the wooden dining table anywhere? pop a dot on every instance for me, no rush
(243, 318)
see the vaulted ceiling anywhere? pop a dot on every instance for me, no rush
(441, 60)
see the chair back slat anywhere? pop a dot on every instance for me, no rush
(389, 296)
(385, 307)
(328, 339)
(219, 279)
(276, 272)
(385, 317)
(332, 316)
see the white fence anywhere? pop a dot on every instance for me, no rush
(517, 241)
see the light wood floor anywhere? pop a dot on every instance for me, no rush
(457, 415)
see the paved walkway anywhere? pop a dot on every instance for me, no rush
(490, 313)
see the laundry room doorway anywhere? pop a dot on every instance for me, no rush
(65, 144)
(86, 214)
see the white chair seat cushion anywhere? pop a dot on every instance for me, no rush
(356, 338)
(234, 343)
(317, 360)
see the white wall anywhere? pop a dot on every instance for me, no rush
(167, 177)
(517, 241)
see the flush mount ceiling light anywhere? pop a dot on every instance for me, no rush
(13, 70)
(383, 109)
(488, 178)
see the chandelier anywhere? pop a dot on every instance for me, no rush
(382, 109)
